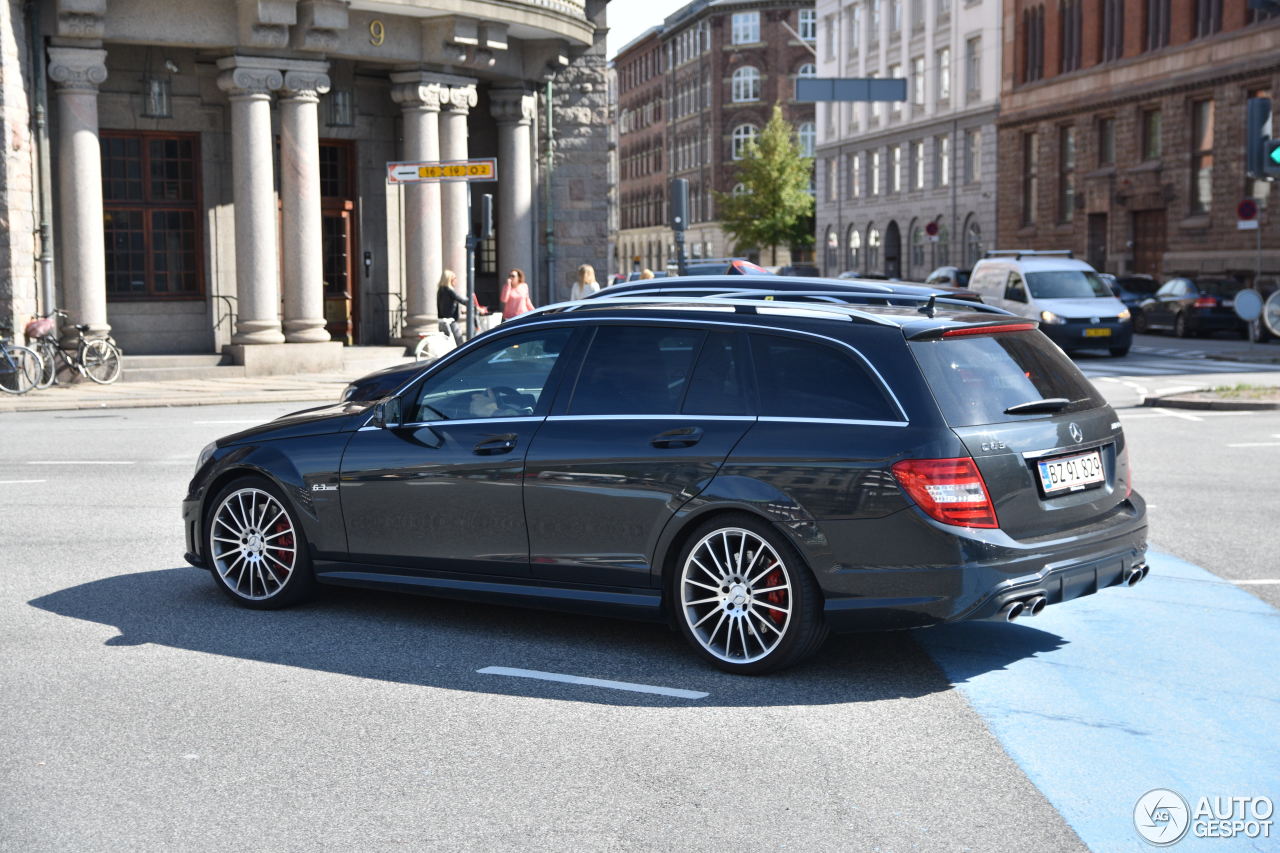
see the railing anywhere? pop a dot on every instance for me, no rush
(230, 314)
(397, 313)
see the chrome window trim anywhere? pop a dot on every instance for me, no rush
(779, 419)
(675, 416)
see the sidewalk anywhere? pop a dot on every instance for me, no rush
(313, 387)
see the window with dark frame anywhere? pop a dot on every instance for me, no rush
(1066, 173)
(1152, 130)
(1208, 17)
(1157, 24)
(1070, 26)
(1201, 155)
(1030, 162)
(1033, 41)
(1112, 30)
(151, 215)
(1107, 141)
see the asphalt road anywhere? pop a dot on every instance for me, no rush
(144, 711)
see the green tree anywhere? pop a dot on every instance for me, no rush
(776, 208)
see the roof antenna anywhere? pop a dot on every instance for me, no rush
(930, 307)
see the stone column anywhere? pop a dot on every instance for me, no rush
(515, 109)
(454, 107)
(249, 82)
(303, 254)
(78, 72)
(419, 100)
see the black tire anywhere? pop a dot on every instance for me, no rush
(1180, 327)
(257, 571)
(101, 361)
(20, 369)
(1139, 322)
(1120, 352)
(757, 584)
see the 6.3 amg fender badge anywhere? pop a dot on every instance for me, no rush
(324, 487)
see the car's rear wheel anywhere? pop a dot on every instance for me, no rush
(746, 602)
(1139, 322)
(1180, 326)
(256, 547)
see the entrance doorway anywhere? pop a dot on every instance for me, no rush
(338, 240)
(893, 251)
(1149, 241)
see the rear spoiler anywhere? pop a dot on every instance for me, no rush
(970, 329)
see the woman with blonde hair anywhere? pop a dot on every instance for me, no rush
(586, 283)
(515, 295)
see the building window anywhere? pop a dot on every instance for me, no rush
(831, 39)
(972, 243)
(944, 75)
(855, 175)
(855, 248)
(807, 71)
(742, 135)
(895, 169)
(917, 81)
(895, 107)
(1030, 163)
(944, 8)
(746, 27)
(973, 68)
(1033, 44)
(972, 155)
(873, 248)
(917, 251)
(746, 84)
(151, 215)
(1156, 20)
(855, 28)
(1112, 30)
(808, 27)
(917, 164)
(1066, 173)
(807, 137)
(943, 147)
(1152, 128)
(1201, 156)
(1070, 24)
(740, 190)
(873, 21)
(1208, 17)
(1107, 141)
(832, 179)
(895, 18)
(875, 173)
(917, 15)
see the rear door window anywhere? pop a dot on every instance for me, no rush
(635, 370)
(800, 378)
(719, 383)
(974, 379)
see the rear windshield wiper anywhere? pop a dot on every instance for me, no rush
(1032, 407)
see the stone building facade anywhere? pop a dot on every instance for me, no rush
(643, 234)
(216, 174)
(1122, 134)
(889, 173)
(721, 67)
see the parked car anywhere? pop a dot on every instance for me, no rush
(723, 266)
(638, 275)
(1132, 289)
(758, 476)
(1076, 309)
(807, 270)
(954, 276)
(717, 285)
(1193, 307)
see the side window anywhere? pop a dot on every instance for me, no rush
(1168, 288)
(718, 385)
(808, 379)
(635, 370)
(1015, 290)
(502, 380)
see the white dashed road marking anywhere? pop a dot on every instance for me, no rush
(592, 682)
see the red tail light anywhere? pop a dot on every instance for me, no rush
(1127, 464)
(949, 490)
(1207, 302)
(965, 331)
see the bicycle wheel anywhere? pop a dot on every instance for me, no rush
(101, 361)
(19, 369)
(48, 352)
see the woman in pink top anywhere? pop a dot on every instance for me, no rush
(515, 295)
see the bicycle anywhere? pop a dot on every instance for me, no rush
(96, 358)
(20, 367)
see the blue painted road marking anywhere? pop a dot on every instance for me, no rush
(1172, 684)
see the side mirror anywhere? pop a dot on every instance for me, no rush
(387, 413)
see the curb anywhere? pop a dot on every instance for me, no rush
(1177, 401)
(164, 402)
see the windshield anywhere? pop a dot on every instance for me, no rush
(1221, 287)
(1066, 284)
(962, 278)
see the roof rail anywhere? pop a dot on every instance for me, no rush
(1018, 254)
(845, 297)
(740, 306)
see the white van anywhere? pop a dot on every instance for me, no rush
(1075, 307)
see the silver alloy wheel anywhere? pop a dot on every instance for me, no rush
(735, 594)
(253, 543)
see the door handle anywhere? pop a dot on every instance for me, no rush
(683, 437)
(495, 444)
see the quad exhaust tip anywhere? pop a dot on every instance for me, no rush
(1136, 574)
(1012, 610)
(1036, 604)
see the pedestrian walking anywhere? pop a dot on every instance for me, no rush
(586, 283)
(515, 295)
(451, 306)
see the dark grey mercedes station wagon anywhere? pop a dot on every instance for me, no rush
(757, 472)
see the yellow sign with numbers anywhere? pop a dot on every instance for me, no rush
(455, 170)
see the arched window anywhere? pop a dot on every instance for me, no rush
(743, 134)
(917, 252)
(873, 248)
(942, 249)
(746, 84)
(740, 189)
(807, 71)
(972, 242)
(807, 137)
(832, 255)
(855, 249)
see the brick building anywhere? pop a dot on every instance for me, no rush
(721, 67)
(1122, 133)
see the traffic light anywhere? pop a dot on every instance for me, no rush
(1257, 137)
(1271, 159)
(679, 204)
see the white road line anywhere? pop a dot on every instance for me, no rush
(19, 482)
(1171, 413)
(1256, 444)
(592, 682)
(81, 462)
(1264, 582)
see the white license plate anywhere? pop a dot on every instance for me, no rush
(1071, 473)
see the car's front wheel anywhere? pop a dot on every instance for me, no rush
(745, 600)
(256, 547)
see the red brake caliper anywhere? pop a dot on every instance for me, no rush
(777, 598)
(283, 542)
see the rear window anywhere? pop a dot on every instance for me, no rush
(1221, 287)
(1066, 284)
(974, 379)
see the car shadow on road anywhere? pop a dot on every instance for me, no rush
(442, 643)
